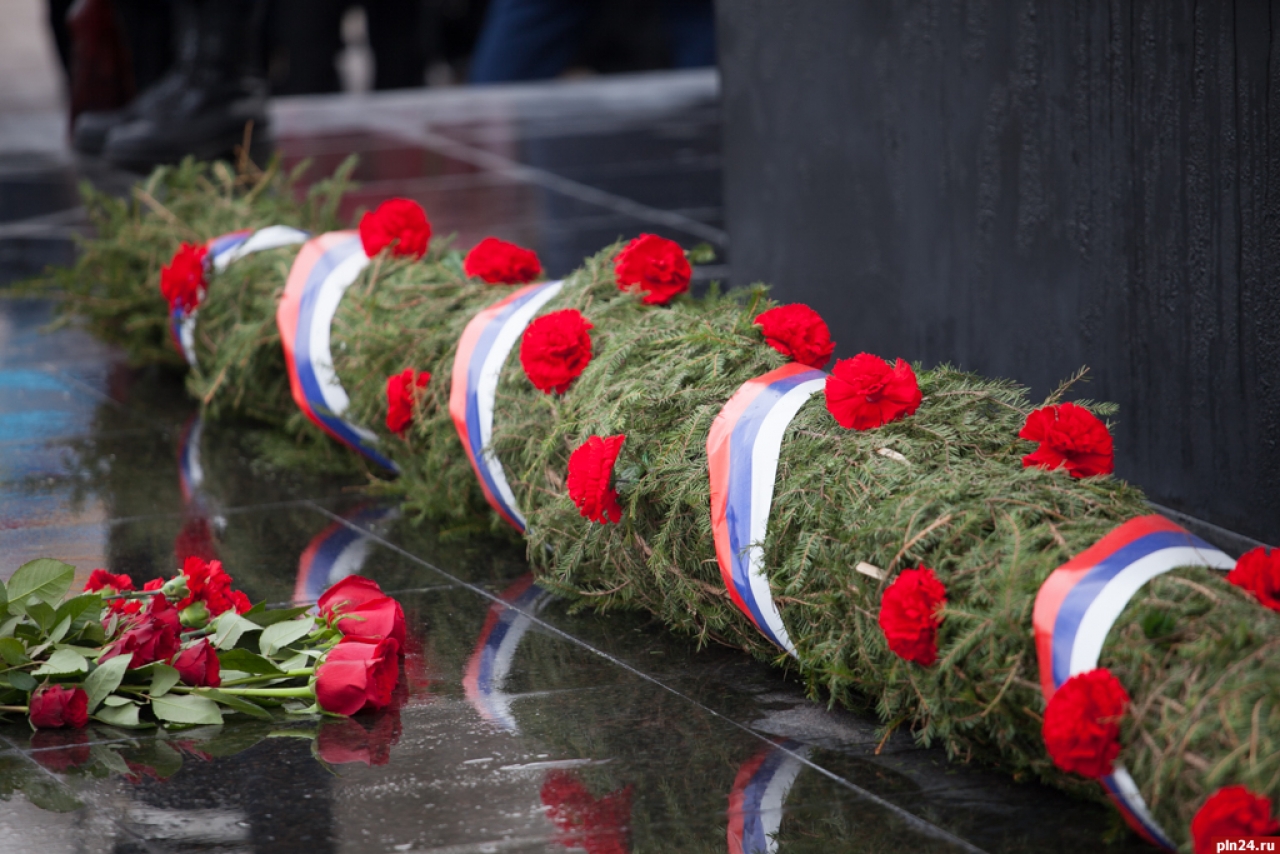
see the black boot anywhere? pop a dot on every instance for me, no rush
(220, 95)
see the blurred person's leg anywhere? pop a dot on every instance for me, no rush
(61, 35)
(528, 39)
(395, 37)
(691, 27)
(309, 35)
(148, 32)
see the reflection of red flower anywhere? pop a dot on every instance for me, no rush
(357, 676)
(55, 706)
(1082, 723)
(501, 263)
(182, 280)
(1258, 572)
(653, 267)
(208, 583)
(909, 615)
(60, 750)
(343, 740)
(198, 666)
(556, 349)
(798, 332)
(398, 223)
(590, 471)
(151, 636)
(100, 579)
(402, 391)
(195, 540)
(1070, 437)
(600, 826)
(1231, 812)
(864, 392)
(359, 609)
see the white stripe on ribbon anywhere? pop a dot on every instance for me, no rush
(271, 237)
(329, 295)
(774, 799)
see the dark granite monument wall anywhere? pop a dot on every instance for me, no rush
(1023, 188)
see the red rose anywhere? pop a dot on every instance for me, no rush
(153, 635)
(398, 223)
(402, 392)
(343, 740)
(500, 263)
(909, 615)
(208, 583)
(556, 348)
(1082, 723)
(182, 281)
(864, 392)
(798, 332)
(1231, 812)
(356, 676)
(1069, 436)
(198, 666)
(358, 608)
(60, 750)
(56, 706)
(590, 470)
(1258, 571)
(598, 826)
(653, 266)
(100, 579)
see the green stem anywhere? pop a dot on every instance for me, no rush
(22, 709)
(269, 677)
(304, 691)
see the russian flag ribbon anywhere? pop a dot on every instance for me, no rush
(223, 250)
(324, 269)
(759, 794)
(1081, 600)
(742, 461)
(504, 627)
(190, 466)
(336, 552)
(482, 351)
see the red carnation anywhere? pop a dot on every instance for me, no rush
(359, 609)
(1231, 812)
(1069, 436)
(556, 348)
(595, 825)
(798, 332)
(1082, 723)
(100, 579)
(356, 676)
(1258, 571)
(56, 706)
(590, 470)
(208, 583)
(153, 635)
(909, 615)
(198, 665)
(653, 266)
(501, 263)
(398, 223)
(182, 281)
(402, 392)
(864, 392)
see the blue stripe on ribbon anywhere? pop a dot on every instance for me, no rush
(227, 242)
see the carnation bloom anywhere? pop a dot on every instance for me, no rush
(208, 583)
(182, 280)
(356, 676)
(501, 263)
(798, 332)
(1082, 723)
(1070, 437)
(556, 348)
(198, 665)
(56, 706)
(864, 392)
(100, 580)
(397, 223)
(1258, 571)
(909, 615)
(1231, 812)
(590, 470)
(357, 607)
(402, 390)
(595, 825)
(654, 267)
(152, 635)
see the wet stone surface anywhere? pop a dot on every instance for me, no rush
(520, 726)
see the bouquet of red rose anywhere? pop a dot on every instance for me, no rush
(190, 650)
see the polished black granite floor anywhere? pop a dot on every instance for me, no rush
(524, 726)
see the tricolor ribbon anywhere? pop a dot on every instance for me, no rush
(482, 350)
(336, 552)
(504, 627)
(324, 269)
(223, 250)
(1079, 603)
(742, 460)
(190, 467)
(759, 794)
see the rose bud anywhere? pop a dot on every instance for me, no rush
(356, 676)
(357, 607)
(152, 635)
(56, 706)
(198, 666)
